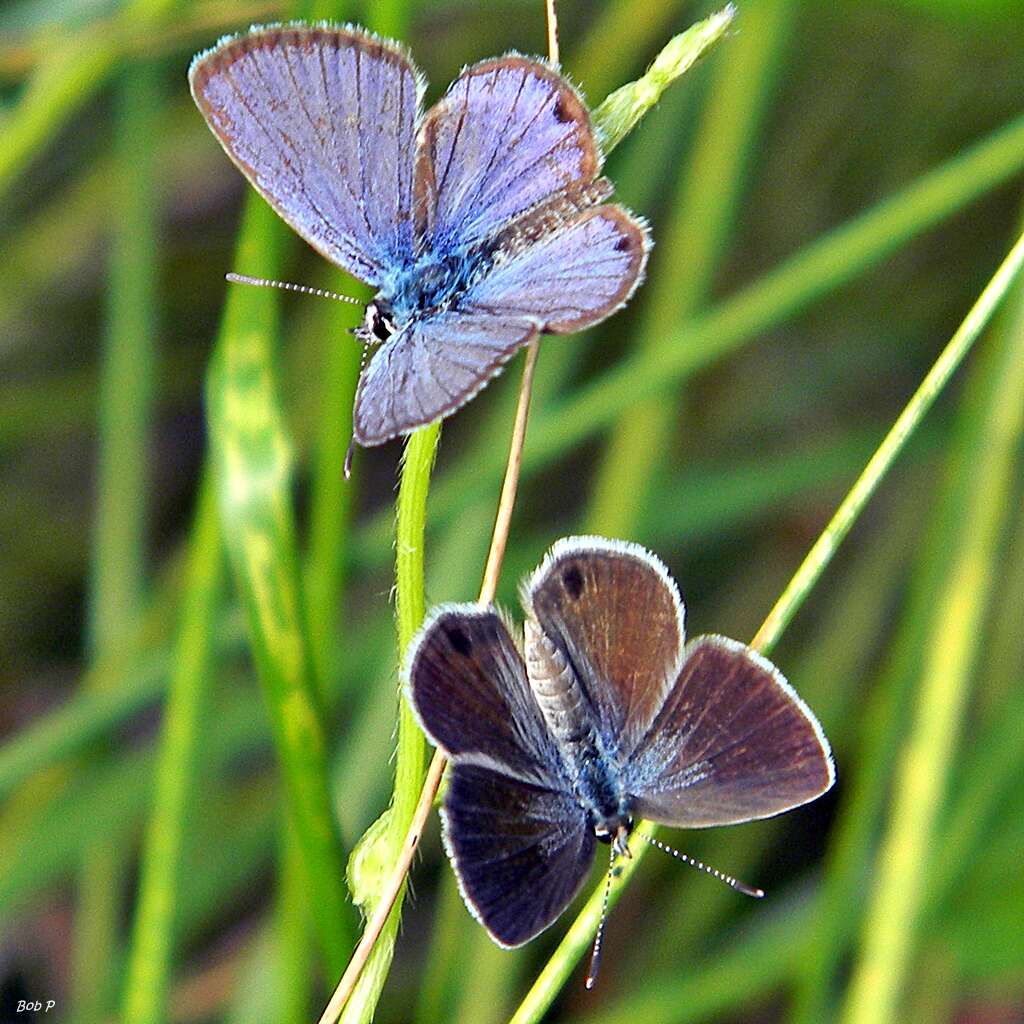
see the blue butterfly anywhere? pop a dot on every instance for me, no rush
(481, 223)
(600, 714)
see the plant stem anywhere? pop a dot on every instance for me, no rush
(853, 504)
(948, 654)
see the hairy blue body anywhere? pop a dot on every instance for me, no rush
(430, 283)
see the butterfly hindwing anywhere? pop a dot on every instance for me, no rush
(509, 133)
(615, 613)
(570, 278)
(733, 742)
(322, 121)
(516, 836)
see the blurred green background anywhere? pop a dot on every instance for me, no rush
(829, 192)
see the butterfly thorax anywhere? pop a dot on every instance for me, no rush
(432, 282)
(569, 717)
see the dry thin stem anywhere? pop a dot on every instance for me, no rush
(503, 519)
(552, 33)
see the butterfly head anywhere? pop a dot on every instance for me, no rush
(615, 831)
(377, 325)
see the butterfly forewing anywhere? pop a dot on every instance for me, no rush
(322, 121)
(520, 851)
(733, 742)
(614, 611)
(508, 134)
(431, 367)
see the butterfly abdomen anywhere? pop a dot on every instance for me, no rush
(554, 684)
(566, 709)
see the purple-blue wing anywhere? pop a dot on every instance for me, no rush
(732, 742)
(570, 278)
(520, 851)
(322, 121)
(509, 133)
(432, 367)
(467, 683)
(560, 283)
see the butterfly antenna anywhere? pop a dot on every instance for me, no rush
(595, 956)
(287, 286)
(348, 458)
(747, 890)
(352, 443)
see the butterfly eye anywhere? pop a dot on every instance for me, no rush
(377, 324)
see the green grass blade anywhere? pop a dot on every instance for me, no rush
(147, 979)
(118, 567)
(927, 759)
(252, 457)
(818, 269)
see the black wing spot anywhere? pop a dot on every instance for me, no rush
(624, 244)
(561, 110)
(572, 578)
(459, 640)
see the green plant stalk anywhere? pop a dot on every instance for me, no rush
(118, 567)
(149, 963)
(577, 940)
(883, 726)
(894, 910)
(252, 460)
(819, 268)
(703, 212)
(853, 504)
(410, 609)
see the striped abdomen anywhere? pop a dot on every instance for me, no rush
(558, 692)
